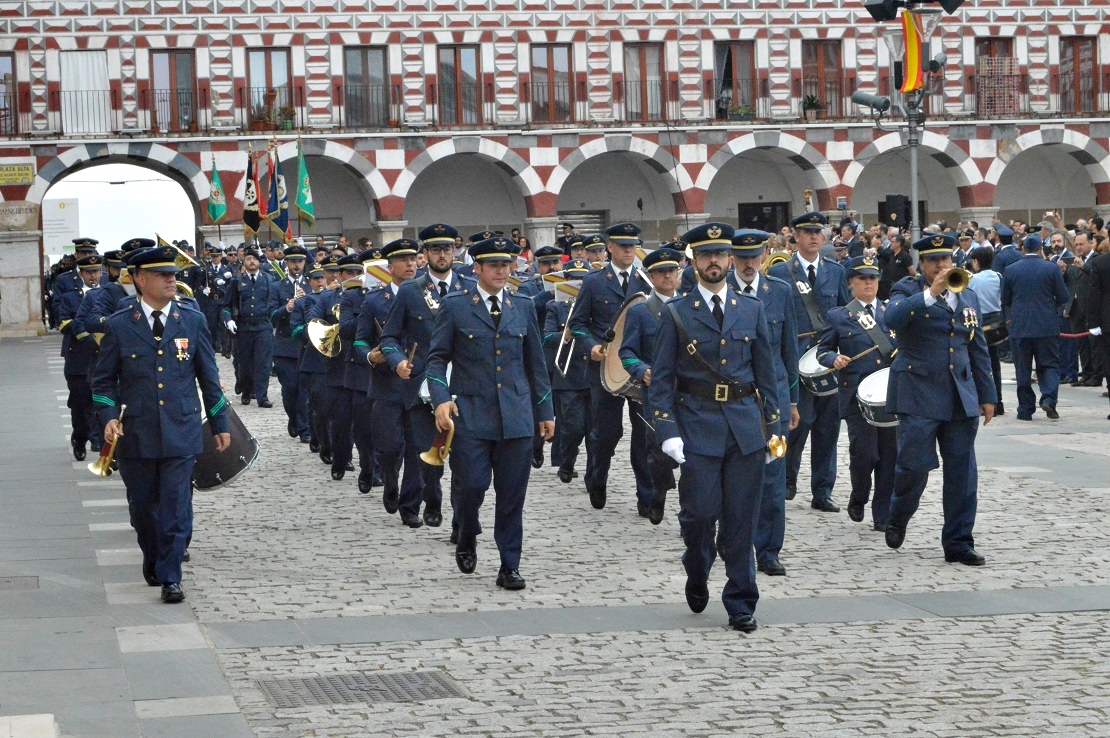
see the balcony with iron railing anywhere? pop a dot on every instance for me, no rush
(932, 101)
(645, 100)
(175, 110)
(367, 106)
(553, 103)
(739, 100)
(9, 114)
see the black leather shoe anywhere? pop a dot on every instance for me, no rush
(411, 519)
(265, 403)
(391, 500)
(337, 474)
(433, 518)
(186, 557)
(565, 475)
(1050, 411)
(305, 439)
(655, 511)
(855, 512)
(791, 490)
(969, 557)
(148, 574)
(1024, 417)
(880, 527)
(466, 556)
(743, 623)
(245, 399)
(697, 595)
(313, 446)
(349, 467)
(597, 498)
(1091, 382)
(172, 593)
(325, 456)
(377, 480)
(537, 459)
(94, 446)
(364, 483)
(291, 427)
(825, 505)
(79, 452)
(895, 534)
(510, 579)
(641, 509)
(454, 535)
(772, 568)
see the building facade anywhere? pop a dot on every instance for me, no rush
(528, 112)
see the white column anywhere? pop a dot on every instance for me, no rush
(20, 284)
(540, 232)
(389, 230)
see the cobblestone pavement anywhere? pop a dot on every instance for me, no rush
(288, 542)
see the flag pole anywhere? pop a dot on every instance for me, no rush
(219, 223)
(298, 181)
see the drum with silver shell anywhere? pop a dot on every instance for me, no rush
(819, 380)
(871, 396)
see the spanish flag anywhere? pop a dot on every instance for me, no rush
(913, 76)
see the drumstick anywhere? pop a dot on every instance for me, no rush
(807, 335)
(863, 353)
(412, 351)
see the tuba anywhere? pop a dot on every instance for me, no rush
(183, 289)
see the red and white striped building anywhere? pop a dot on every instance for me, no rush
(501, 113)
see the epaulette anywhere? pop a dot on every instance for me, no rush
(780, 280)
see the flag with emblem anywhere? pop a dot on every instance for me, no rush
(252, 216)
(217, 201)
(279, 215)
(303, 200)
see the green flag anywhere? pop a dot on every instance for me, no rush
(217, 201)
(304, 191)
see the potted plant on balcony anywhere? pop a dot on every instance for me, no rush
(285, 118)
(742, 113)
(811, 106)
(260, 118)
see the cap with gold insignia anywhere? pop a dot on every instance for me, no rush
(576, 269)
(350, 261)
(662, 259)
(330, 264)
(114, 259)
(481, 236)
(93, 261)
(967, 235)
(679, 246)
(314, 270)
(567, 226)
(934, 245)
(154, 259)
(710, 237)
(400, 247)
(549, 253)
(251, 251)
(625, 234)
(863, 266)
(749, 242)
(438, 233)
(494, 249)
(84, 244)
(134, 244)
(810, 221)
(296, 252)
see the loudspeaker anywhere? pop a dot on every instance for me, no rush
(950, 6)
(885, 10)
(895, 211)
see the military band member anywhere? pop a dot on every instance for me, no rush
(595, 248)
(548, 259)
(748, 253)
(287, 350)
(405, 343)
(357, 373)
(152, 358)
(713, 396)
(819, 286)
(852, 331)
(571, 391)
(603, 293)
(497, 393)
(640, 324)
(940, 383)
(247, 319)
(78, 354)
(336, 404)
(311, 365)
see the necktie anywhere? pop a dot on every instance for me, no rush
(812, 275)
(718, 313)
(867, 309)
(494, 311)
(252, 279)
(624, 282)
(748, 290)
(157, 327)
(442, 289)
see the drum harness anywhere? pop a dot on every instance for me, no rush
(805, 290)
(870, 326)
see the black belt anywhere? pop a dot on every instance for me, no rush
(720, 392)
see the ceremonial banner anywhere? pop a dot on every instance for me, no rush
(252, 216)
(217, 201)
(304, 191)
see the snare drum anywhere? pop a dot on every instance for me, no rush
(214, 469)
(871, 396)
(819, 380)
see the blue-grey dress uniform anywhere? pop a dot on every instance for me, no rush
(1032, 291)
(573, 409)
(533, 288)
(871, 450)
(938, 380)
(79, 351)
(719, 405)
(1007, 253)
(819, 417)
(596, 307)
(254, 336)
(782, 325)
(357, 382)
(312, 368)
(408, 328)
(287, 350)
(499, 384)
(157, 381)
(334, 402)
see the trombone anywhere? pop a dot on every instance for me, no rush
(103, 466)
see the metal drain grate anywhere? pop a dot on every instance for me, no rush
(18, 584)
(339, 689)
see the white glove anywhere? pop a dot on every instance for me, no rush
(673, 447)
(206, 291)
(1096, 331)
(220, 283)
(231, 326)
(222, 246)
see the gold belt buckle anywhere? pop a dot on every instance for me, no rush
(720, 393)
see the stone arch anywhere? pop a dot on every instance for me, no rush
(520, 171)
(1093, 157)
(819, 171)
(655, 155)
(955, 160)
(350, 159)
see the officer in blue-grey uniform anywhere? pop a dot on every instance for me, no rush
(287, 350)
(600, 299)
(497, 394)
(857, 343)
(357, 381)
(335, 402)
(748, 253)
(819, 286)
(312, 367)
(408, 330)
(548, 259)
(940, 382)
(114, 295)
(637, 344)
(1032, 290)
(248, 320)
(152, 358)
(712, 398)
(1007, 252)
(79, 351)
(571, 390)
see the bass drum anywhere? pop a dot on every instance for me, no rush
(819, 380)
(871, 396)
(214, 469)
(995, 330)
(614, 378)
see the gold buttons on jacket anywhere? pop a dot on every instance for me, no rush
(159, 352)
(161, 402)
(159, 385)
(159, 368)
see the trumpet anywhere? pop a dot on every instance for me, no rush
(441, 447)
(324, 337)
(102, 467)
(956, 280)
(776, 258)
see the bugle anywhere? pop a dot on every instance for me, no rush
(956, 280)
(441, 448)
(102, 467)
